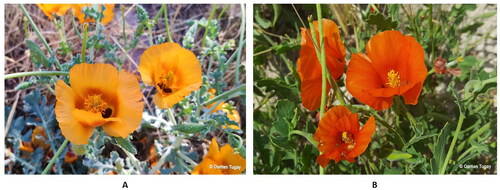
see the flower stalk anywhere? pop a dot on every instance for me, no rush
(84, 44)
(54, 158)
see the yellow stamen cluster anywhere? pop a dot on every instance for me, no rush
(166, 82)
(94, 103)
(348, 138)
(393, 78)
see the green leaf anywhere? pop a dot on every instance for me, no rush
(262, 22)
(398, 155)
(277, 12)
(416, 139)
(457, 96)
(393, 10)
(285, 47)
(281, 88)
(471, 28)
(440, 149)
(485, 15)
(37, 55)
(381, 22)
(125, 144)
(284, 113)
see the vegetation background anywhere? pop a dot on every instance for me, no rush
(449, 31)
(188, 25)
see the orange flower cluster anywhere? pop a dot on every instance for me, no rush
(60, 9)
(220, 161)
(394, 65)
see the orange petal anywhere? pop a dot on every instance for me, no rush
(363, 138)
(206, 167)
(72, 130)
(233, 160)
(388, 50)
(130, 107)
(213, 150)
(361, 77)
(411, 95)
(100, 78)
(58, 9)
(88, 119)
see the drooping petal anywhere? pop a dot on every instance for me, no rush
(308, 65)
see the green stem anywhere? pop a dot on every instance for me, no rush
(203, 40)
(170, 115)
(410, 117)
(39, 34)
(431, 26)
(124, 22)
(240, 140)
(167, 27)
(183, 156)
(54, 158)
(453, 142)
(324, 69)
(74, 25)
(84, 43)
(133, 159)
(240, 46)
(35, 73)
(226, 95)
(25, 27)
(322, 61)
(59, 28)
(150, 36)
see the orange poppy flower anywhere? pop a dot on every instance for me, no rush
(108, 13)
(308, 65)
(70, 157)
(394, 66)
(174, 71)
(212, 92)
(339, 137)
(223, 161)
(233, 115)
(50, 9)
(99, 95)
